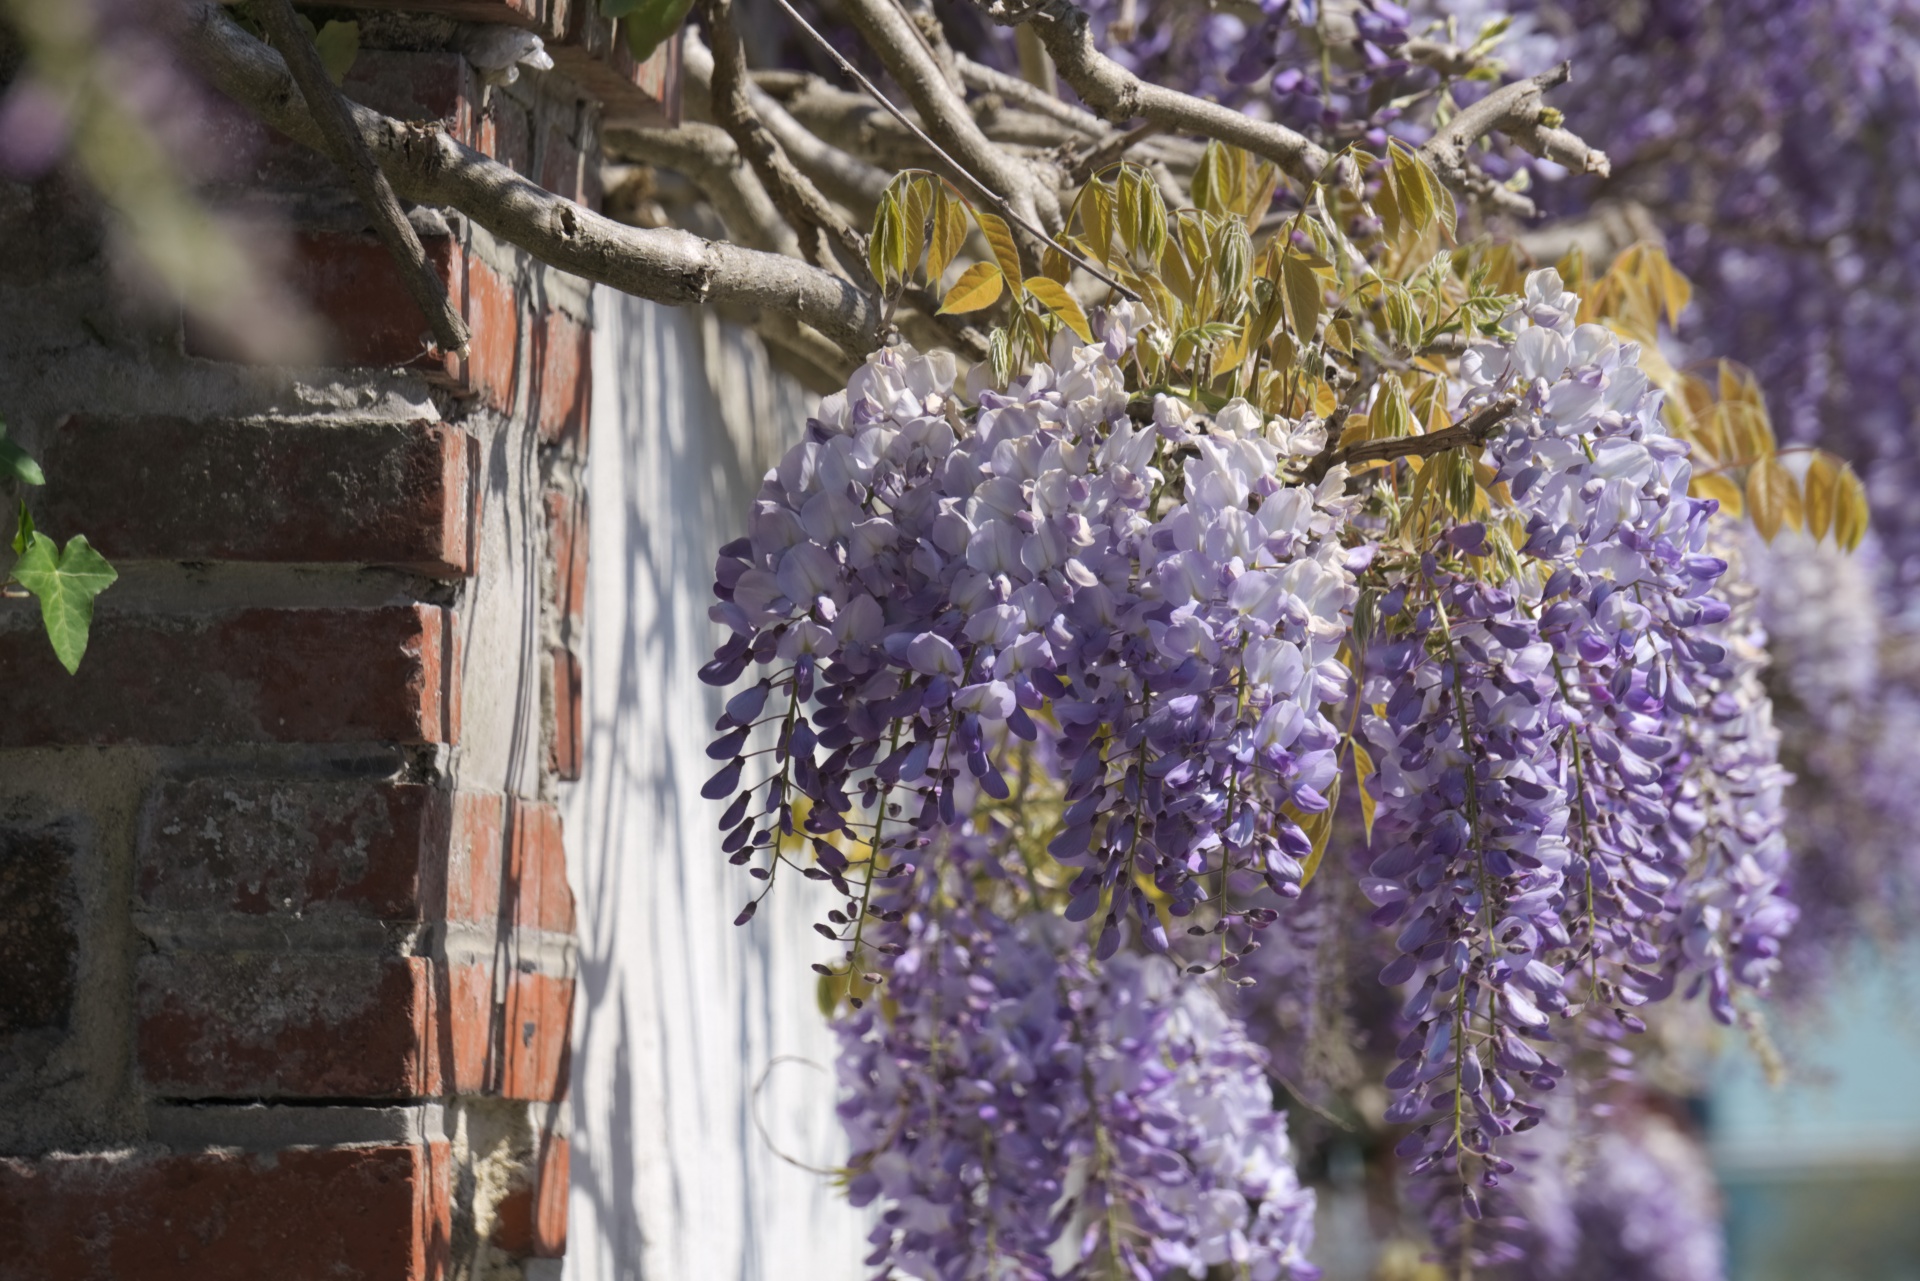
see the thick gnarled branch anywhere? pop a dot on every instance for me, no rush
(816, 223)
(426, 165)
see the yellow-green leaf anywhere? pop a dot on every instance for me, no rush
(1055, 265)
(1303, 296)
(1000, 239)
(1822, 488)
(979, 286)
(913, 239)
(1849, 510)
(1131, 222)
(883, 242)
(339, 45)
(1363, 769)
(1097, 218)
(1721, 487)
(1410, 185)
(949, 232)
(1153, 220)
(1209, 179)
(1772, 497)
(1054, 297)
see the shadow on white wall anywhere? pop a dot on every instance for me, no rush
(679, 1014)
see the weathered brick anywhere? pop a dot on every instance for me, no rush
(429, 85)
(253, 676)
(516, 1046)
(507, 865)
(383, 494)
(567, 553)
(563, 165)
(511, 138)
(568, 747)
(288, 1025)
(38, 950)
(476, 856)
(562, 373)
(355, 289)
(537, 869)
(531, 1220)
(595, 56)
(490, 370)
(293, 847)
(303, 1214)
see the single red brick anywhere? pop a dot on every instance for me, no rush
(568, 748)
(253, 676)
(515, 1046)
(567, 553)
(292, 847)
(537, 869)
(531, 1220)
(432, 85)
(354, 289)
(595, 56)
(563, 167)
(562, 372)
(40, 952)
(287, 1025)
(476, 856)
(171, 489)
(539, 1026)
(512, 134)
(303, 1214)
(492, 310)
(351, 282)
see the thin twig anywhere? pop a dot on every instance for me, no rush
(985, 192)
(1475, 429)
(332, 114)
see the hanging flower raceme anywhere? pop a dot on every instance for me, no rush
(927, 570)
(1019, 1111)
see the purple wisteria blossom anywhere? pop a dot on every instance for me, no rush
(1018, 1111)
(931, 567)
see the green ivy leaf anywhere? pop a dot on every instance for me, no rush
(23, 536)
(66, 583)
(648, 24)
(16, 462)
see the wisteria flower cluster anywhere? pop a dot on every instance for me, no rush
(1578, 792)
(1024, 1112)
(1171, 613)
(930, 582)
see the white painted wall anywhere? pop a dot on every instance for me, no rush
(679, 1014)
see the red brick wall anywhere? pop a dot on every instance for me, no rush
(283, 862)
